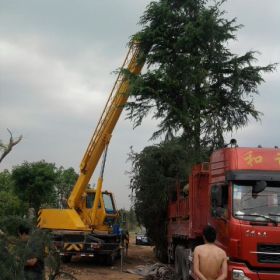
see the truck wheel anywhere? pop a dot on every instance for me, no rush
(110, 259)
(119, 253)
(182, 262)
(185, 265)
(170, 255)
(178, 267)
(186, 262)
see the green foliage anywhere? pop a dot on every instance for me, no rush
(7, 261)
(10, 204)
(65, 180)
(6, 183)
(34, 183)
(131, 220)
(154, 170)
(14, 253)
(10, 223)
(11, 251)
(128, 219)
(194, 85)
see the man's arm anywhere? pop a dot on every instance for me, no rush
(196, 265)
(36, 251)
(224, 269)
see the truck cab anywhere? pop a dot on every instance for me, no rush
(238, 193)
(244, 190)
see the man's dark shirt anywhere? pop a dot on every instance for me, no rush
(34, 248)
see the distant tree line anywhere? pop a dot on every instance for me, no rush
(30, 186)
(128, 219)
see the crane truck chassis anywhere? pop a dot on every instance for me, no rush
(88, 227)
(238, 193)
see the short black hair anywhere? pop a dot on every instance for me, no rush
(209, 234)
(23, 229)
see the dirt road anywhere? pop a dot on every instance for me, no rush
(88, 270)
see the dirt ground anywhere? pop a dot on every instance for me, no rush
(89, 270)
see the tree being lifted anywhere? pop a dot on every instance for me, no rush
(194, 84)
(5, 149)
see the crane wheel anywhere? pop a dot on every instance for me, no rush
(110, 259)
(66, 259)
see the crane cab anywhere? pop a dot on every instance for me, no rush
(106, 215)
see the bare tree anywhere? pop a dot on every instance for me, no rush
(6, 148)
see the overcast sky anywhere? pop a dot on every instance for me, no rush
(56, 64)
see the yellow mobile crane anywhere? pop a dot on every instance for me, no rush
(86, 227)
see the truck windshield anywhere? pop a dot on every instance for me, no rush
(263, 206)
(108, 203)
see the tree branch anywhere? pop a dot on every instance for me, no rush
(8, 147)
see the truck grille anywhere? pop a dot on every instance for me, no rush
(269, 253)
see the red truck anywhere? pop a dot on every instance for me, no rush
(238, 193)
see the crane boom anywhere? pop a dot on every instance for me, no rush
(89, 227)
(106, 124)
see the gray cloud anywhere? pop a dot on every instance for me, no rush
(56, 63)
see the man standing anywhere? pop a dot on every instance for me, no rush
(210, 262)
(33, 254)
(125, 241)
